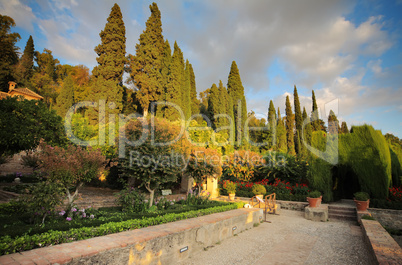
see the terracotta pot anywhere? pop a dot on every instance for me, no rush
(362, 205)
(231, 196)
(314, 202)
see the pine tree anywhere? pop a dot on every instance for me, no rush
(147, 63)
(236, 92)
(8, 51)
(281, 144)
(344, 127)
(66, 97)
(289, 127)
(333, 123)
(314, 114)
(272, 124)
(112, 50)
(195, 103)
(186, 92)
(174, 85)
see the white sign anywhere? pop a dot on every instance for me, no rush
(166, 192)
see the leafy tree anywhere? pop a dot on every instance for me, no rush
(203, 163)
(47, 64)
(281, 143)
(71, 167)
(24, 123)
(236, 93)
(151, 163)
(112, 50)
(241, 165)
(8, 51)
(66, 97)
(147, 63)
(344, 127)
(289, 127)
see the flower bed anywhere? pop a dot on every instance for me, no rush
(29, 241)
(284, 190)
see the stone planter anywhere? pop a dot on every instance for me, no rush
(362, 205)
(314, 202)
(232, 196)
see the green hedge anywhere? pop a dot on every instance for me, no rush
(10, 245)
(366, 151)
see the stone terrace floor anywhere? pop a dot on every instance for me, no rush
(290, 239)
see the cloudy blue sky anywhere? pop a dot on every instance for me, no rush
(349, 52)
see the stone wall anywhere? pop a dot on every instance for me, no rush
(387, 217)
(291, 205)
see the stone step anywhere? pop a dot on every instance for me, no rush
(341, 208)
(342, 217)
(342, 211)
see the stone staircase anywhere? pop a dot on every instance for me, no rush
(344, 210)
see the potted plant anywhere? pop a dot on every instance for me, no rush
(259, 190)
(314, 199)
(230, 187)
(362, 200)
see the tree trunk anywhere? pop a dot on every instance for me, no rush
(145, 112)
(71, 198)
(151, 193)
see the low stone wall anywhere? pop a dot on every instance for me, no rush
(291, 205)
(384, 248)
(161, 244)
(387, 217)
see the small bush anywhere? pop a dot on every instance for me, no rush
(229, 186)
(314, 194)
(258, 189)
(361, 196)
(131, 200)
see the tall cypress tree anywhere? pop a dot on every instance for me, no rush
(195, 103)
(174, 85)
(186, 92)
(308, 131)
(298, 122)
(272, 123)
(236, 92)
(314, 114)
(27, 60)
(147, 63)
(333, 123)
(214, 106)
(344, 127)
(165, 72)
(281, 144)
(225, 105)
(289, 127)
(112, 50)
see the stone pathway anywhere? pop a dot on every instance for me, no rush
(290, 239)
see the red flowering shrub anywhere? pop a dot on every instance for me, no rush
(395, 194)
(71, 167)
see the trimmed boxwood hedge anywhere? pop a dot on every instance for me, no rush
(10, 245)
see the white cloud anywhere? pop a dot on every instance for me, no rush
(21, 13)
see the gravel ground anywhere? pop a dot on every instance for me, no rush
(290, 239)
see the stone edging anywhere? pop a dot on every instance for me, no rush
(384, 248)
(166, 243)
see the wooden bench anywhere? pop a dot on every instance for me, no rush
(268, 204)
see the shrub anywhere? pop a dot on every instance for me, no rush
(314, 194)
(395, 194)
(131, 200)
(229, 186)
(361, 196)
(258, 189)
(241, 165)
